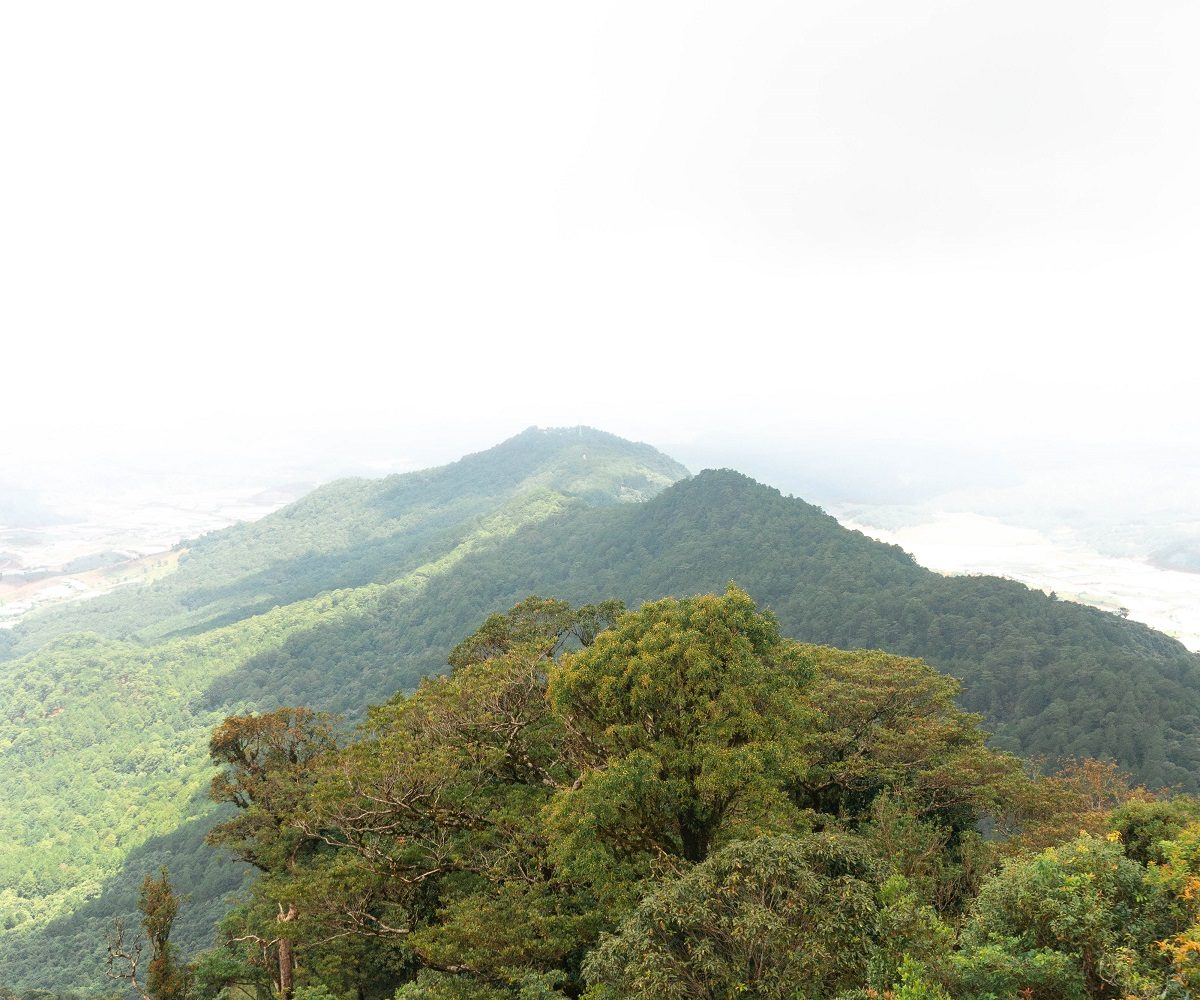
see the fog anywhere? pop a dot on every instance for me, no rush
(872, 253)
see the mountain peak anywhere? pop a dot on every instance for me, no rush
(579, 461)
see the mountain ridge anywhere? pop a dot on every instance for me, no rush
(1052, 678)
(355, 531)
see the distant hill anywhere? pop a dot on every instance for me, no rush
(358, 531)
(1051, 677)
(22, 508)
(362, 587)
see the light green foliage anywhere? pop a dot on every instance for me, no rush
(685, 717)
(1178, 876)
(913, 985)
(1145, 827)
(1008, 968)
(102, 741)
(908, 933)
(99, 744)
(1076, 920)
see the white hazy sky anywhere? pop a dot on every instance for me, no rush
(257, 228)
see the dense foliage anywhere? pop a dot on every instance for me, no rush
(500, 825)
(103, 739)
(1051, 677)
(675, 802)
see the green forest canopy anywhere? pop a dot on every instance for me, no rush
(102, 736)
(679, 802)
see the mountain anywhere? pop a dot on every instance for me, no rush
(106, 707)
(358, 531)
(362, 587)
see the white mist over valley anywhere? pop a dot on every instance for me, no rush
(1059, 562)
(74, 547)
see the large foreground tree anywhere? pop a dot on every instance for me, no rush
(497, 822)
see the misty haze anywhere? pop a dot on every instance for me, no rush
(606, 502)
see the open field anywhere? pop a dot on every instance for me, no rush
(115, 540)
(20, 594)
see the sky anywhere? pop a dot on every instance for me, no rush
(272, 234)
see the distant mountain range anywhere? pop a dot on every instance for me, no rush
(360, 588)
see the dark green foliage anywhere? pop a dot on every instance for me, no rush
(653, 785)
(774, 918)
(1051, 678)
(636, 819)
(685, 805)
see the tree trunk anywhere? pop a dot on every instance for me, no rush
(286, 963)
(694, 836)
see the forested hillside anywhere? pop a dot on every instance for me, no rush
(677, 801)
(361, 589)
(104, 718)
(1051, 677)
(358, 531)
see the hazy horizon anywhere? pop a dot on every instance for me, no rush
(1116, 531)
(282, 235)
(921, 260)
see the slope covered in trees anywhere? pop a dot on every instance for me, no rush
(358, 531)
(674, 802)
(102, 731)
(102, 736)
(1050, 677)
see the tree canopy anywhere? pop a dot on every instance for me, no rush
(363, 588)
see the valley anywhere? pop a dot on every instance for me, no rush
(958, 542)
(82, 547)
